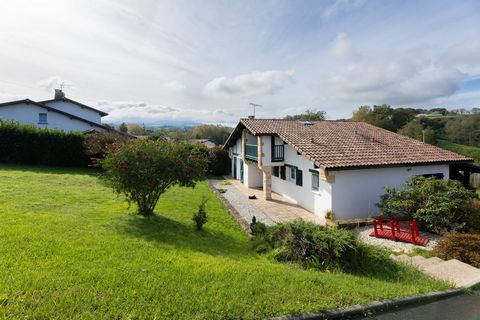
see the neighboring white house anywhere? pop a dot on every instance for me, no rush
(206, 142)
(331, 165)
(59, 113)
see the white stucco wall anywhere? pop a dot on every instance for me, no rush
(76, 110)
(350, 195)
(253, 176)
(318, 202)
(355, 192)
(28, 114)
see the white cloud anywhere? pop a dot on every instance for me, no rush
(52, 82)
(123, 110)
(466, 56)
(174, 85)
(388, 77)
(341, 48)
(251, 84)
(339, 6)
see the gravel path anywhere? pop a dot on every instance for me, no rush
(241, 203)
(364, 236)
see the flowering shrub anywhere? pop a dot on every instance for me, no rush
(144, 170)
(96, 143)
(438, 205)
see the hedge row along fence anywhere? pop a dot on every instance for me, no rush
(24, 144)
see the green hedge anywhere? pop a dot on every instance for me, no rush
(24, 144)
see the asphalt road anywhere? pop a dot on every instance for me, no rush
(462, 307)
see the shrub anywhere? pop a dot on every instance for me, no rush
(218, 162)
(464, 247)
(96, 143)
(24, 144)
(143, 169)
(438, 205)
(257, 228)
(200, 217)
(309, 244)
(330, 214)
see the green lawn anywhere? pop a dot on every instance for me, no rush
(69, 248)
(473, 152)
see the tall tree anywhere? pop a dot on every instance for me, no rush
(308, 115)
(216, 133)
(414, 129)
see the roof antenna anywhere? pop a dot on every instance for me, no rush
(254, 105)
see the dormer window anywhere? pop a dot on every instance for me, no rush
(42, 118)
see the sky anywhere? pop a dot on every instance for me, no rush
(147, 61)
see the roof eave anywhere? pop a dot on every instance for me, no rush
(386, 165)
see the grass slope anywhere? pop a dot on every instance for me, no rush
(468, 151)
(69, 248)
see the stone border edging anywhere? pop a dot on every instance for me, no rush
(233, 212)
(375, 306)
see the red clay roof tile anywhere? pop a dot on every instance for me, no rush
(339, 144)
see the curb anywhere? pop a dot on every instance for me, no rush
(233, 212)
(373, 307)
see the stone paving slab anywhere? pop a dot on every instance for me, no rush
(245, 208)
(278, 210)
(459, 273)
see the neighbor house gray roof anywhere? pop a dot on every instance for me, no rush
(348, 144)
(39, 104)
(81, 105)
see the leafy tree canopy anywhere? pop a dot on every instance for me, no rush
(308, 115)
(143, 170)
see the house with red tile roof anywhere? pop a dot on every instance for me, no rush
(338, 166)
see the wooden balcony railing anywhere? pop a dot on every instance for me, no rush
(277, 153)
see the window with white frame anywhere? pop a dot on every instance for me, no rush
(293, 170)
(315, 181)
(42, 118)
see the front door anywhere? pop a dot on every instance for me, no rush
(241, 171)
(234, 168)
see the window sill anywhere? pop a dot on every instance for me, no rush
(317, 192)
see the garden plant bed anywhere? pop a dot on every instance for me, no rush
(398, 246)
(70, 248)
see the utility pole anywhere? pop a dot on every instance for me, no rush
(254, 105)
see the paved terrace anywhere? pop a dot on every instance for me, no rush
(279, 209)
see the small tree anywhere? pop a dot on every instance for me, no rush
(438, 205)
(143, 169)
(200, 217)
(123, 128)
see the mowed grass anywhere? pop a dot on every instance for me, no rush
(473, 152)
(69, 248)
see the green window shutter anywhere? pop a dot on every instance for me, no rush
(276, 171)
(299, 177)
(283, 174)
